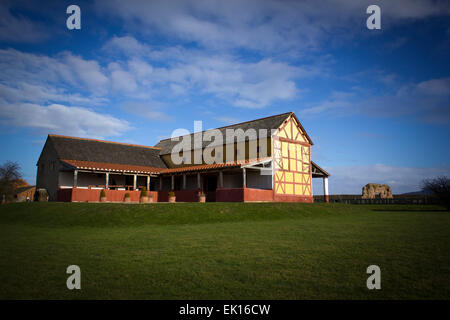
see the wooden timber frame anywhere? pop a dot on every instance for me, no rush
(292, 163)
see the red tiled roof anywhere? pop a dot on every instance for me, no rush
(91, 165)
(202, 167)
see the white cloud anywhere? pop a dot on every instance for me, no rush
(130, 46)
(435, 86)
(140, 69)
(61, 119)
(149, 109)
(266, 25)
(50, 94)
(240, 83)
(121, 80)
(351, 179)
(39, 93)
(88, 73)
(227, 120)
(17, 28)
(249, 85)
(427, 101)
(337, 101)
(126, 44)
(63, 70)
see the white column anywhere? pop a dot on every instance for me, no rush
(220, 179)
(107, 181)
(75, 178)
(134, 181)
(148, 183)
(160, 183)
(325, 189)
(173, 183)
(244, 178)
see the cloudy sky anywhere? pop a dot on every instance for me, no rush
(376, 103)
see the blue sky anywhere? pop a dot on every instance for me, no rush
(376, 103)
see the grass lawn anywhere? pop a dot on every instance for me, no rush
(223, 251)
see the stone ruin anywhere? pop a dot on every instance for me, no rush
(374, 191)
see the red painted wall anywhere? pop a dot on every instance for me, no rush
(64, 195)
(180, 195)
(163, 196)
(186, 195)
(243, 194)
(93, 195)
(222, 195)
(154, 194)
(230, 195)
(257, 195)
(119, 195)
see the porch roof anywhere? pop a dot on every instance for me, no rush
(114, 167)
(318, 172)
(205, 167)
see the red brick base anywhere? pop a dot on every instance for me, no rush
(222, 195)
(93, 195)
(230, 195)
(243, 195)
(289, 198)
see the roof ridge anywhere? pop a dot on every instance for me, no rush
(102, 165)
(104, 141)
(234, 124)
(122, 164)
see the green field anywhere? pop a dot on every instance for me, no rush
(223, 251)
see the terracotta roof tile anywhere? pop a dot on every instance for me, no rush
(91, 165)
(202, 167)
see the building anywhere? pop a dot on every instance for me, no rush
(24, 193)
(271, 161)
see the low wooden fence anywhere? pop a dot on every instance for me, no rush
(399, 199)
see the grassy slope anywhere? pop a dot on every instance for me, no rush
(223, 251)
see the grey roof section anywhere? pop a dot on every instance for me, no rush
(71, 148)
(268, 123)
(22, 189)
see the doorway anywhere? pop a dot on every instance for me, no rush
(210, 184)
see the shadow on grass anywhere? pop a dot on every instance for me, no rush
(411, 210)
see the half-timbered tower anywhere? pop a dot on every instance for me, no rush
(292, 178)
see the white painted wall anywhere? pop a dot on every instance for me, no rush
(191, 182)
(232, 180)
(166, 184)
(257, 180)
(65, 179)
(116, 179)
(86, 179)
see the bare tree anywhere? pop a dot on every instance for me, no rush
(9, 176)
(440, 187)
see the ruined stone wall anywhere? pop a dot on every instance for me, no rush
(373, 191)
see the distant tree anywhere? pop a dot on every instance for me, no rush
(440, 187)
(10, 177)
